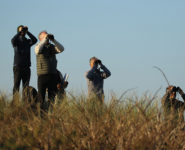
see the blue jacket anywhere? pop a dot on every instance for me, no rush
(95, 78)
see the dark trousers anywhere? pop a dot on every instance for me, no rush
(21, 74)
(46, 82)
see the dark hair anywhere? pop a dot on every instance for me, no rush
(19, 27)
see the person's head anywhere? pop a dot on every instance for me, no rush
(42, 35)
(59, 86)
(19, 29)
(173, 91)
(92, 61)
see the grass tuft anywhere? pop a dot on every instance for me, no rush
(80, 123)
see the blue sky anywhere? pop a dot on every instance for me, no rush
(129, 36)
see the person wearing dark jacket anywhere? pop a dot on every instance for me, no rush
(61, 86)
(22, 61)
(46, 51)
(95, 78)
(171, 105)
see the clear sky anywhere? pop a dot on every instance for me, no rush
(130, 36)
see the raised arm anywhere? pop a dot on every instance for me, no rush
(39, 46)
(15, 39)
(33, 39)
(181, 93)
(106, 73)
(58, 47)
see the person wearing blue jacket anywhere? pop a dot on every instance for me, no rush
(22, 58)
(95, 79)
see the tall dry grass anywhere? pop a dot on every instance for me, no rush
(79, 123)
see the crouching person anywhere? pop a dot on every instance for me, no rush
(30, 96)
(46, 51)
(61, 86)
(171, 105)
(95, 79)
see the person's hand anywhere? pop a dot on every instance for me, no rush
(23, 29)
(59, 86)
(170, 88)
(99, 62)
(26, 29)
(65, 84)
(50, 37)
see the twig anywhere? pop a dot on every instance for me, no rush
(162, 74)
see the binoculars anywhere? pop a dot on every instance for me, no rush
(98, 62)
(24, 29)
(175, 89)
(50, 37)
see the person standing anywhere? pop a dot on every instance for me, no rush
(22, 58)
(46, 51)
(95, 79)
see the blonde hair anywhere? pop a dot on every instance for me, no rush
(18, 28)
(92, 58)
(44, 31)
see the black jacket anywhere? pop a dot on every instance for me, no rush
(174, 104)
(22, 47)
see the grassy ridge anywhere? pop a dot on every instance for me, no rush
(78, 123)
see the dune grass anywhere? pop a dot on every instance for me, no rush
(79, 123)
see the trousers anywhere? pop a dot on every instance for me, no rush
(45, 83)
(21, 74)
